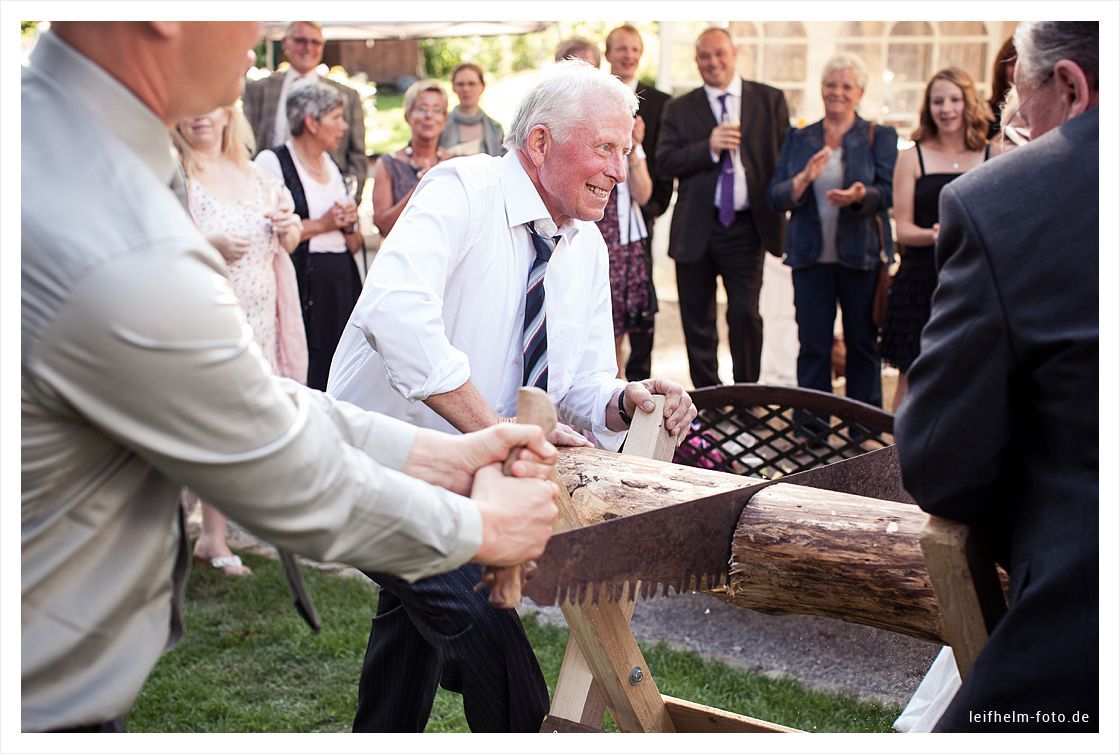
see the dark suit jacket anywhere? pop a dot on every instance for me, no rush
(650, 105)
(1000, 427)
(261, 99)
(682, 153)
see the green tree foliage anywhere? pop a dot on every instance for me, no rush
(507, 54)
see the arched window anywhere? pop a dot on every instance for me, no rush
(905, 54)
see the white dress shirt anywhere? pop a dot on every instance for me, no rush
(444, 302)
(139, 375)
(734, 111)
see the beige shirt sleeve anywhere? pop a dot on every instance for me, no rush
(170, 369)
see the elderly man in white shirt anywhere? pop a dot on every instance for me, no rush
(139, 375)
(447, 330)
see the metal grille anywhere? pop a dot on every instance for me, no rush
(769, 432)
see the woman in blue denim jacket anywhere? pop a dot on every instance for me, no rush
(834, 178)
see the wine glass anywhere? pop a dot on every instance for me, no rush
(350, 185)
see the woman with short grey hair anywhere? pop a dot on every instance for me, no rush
(560, 100)
(328, 278)
(310, 101)
(834, 178)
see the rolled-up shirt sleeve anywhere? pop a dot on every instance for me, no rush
(171, 371)
(401, 309)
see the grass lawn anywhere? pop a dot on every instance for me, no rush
(249, 663)
(388, 132)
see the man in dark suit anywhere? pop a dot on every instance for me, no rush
(721, 142)
(264, 101)
(1000, 428)
(624, 52)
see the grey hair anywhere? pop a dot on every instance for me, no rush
(575, 47)
(563, 97)
(314, 99)
(1041, 44)
(843, 61)
(292, 25)
(424, 85)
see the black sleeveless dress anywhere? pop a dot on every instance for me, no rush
(911, 291)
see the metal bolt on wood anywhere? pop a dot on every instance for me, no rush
(636, 676)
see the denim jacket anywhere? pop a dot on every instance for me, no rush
(857, 238)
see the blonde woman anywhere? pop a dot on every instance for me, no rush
(396, 175)
(248, 218)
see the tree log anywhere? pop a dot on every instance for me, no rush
(795, 550)
(804, 550)
(623, 485)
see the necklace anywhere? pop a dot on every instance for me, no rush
(317, 171)
(416, 167)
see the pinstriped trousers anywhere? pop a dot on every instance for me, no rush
(440, 631)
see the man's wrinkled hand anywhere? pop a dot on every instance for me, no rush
(517, 516)
(679, 410)
(450, 461)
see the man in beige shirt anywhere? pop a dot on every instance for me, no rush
(139, 375)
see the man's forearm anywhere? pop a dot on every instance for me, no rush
(464, 408)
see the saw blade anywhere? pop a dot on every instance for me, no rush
(684, 546)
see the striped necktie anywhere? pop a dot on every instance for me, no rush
(535, 333)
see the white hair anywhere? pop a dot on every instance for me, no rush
(561, 99)
(843, 61)
(1041, 44)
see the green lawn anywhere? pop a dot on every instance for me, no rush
(249, 663)
(388, 131)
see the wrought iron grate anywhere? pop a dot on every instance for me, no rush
(769, 432)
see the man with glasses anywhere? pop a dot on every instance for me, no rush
(1000, 429)
(264, 101)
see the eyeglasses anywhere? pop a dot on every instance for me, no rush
(305, 42)
(1015, 125)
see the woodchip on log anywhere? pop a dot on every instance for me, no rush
(623, 485)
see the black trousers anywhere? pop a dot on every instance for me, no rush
(329, 286)
(735, 254)
(439, 631)
(640, 361)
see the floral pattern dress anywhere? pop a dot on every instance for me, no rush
(252, 275)
(630, 299)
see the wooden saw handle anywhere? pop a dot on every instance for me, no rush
(533, 407)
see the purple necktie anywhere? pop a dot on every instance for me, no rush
(726, 175)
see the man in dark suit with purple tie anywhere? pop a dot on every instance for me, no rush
(721, 143)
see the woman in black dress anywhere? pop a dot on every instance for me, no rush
(950, 139)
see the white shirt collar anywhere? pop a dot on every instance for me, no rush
(294, 75)
(632, 83)
(735, 89)
(109, 101)
(524, 204)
